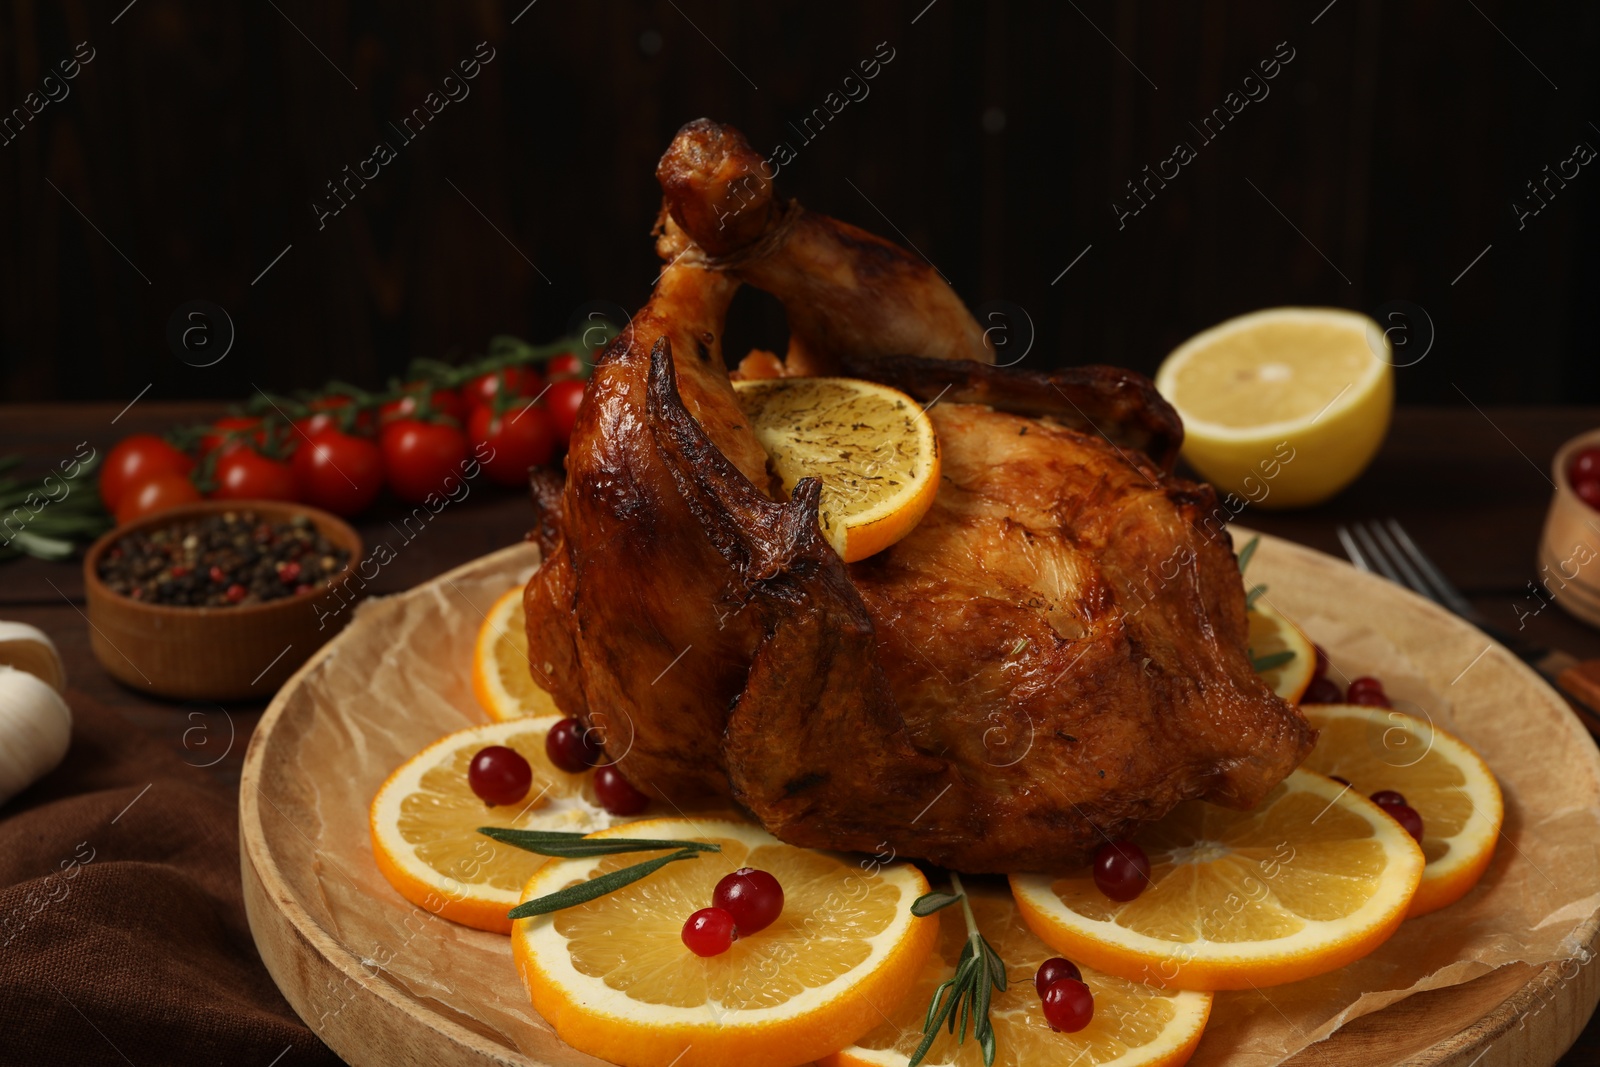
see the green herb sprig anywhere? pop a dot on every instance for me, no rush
(569, 845)
(965, 996)
(46, 523)
(1265, 663)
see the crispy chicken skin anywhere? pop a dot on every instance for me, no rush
(1055, 654)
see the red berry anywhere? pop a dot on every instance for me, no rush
(1588, 491)
(1052, 971)
(499, 775)
(236, 592)
(709, 932)
(217, 574)
(1322, 663)
(1068, 1005)
(1322, 691)
(1407, 817)
(754, 899)
(1121, 869)
(1388, 798)
(289, 573)
(570, 747)
(617, 795)
(1368, 692)
(1585, 466)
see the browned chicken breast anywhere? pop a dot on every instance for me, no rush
(1053, 655)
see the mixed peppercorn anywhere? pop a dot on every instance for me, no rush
(233, 557)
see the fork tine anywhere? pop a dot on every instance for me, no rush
(1352, 549)
(1413, 580)
(1448, 594)
(1369, 545)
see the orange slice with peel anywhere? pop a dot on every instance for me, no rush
(1271, 635)
(1447, 783)
(873, 447)
(1315, 877)
(616, 981)
(1134, 1025)
(500, 676)
(424, 824)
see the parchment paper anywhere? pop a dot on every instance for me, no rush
(399, 678)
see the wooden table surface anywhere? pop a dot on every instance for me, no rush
(1470, 486)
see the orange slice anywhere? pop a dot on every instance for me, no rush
(1315, 877)
(615, 980)
(1272, 635)
(424, 824)
(1447, 783)
(873, 447)
(1134, 1025)
(500, 677)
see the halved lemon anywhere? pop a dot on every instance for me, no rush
(615, 980)
(1315, 877)
(500, 676)
(1285, 406)
(873, 447)
(1134, 1025)
(424, 824)
(1271, 635)
(1447, 783)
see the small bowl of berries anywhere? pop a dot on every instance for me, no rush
(1569, 551)
(220, 600)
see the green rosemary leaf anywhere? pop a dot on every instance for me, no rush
(1276, 659)
(928, 903)
(594, 888)
(1247, 551)
(997, 966)
(569, 845)
(1252, 596)
(938, 1010)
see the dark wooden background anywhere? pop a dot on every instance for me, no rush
(1385, 159)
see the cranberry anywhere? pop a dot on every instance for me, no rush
(1585, 466)
(1388, 798)
(1068, 1005)
(709, 932)
(1407, 817)
(1052, 971)
(1588, 491)
(1322, 662)
(617, 794)
(754, 899)
(499, 775)
(570, 747)
(1368, 692)
(1322, 691)
(1121, 870)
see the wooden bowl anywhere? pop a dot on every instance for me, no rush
(382, 982)
(217, 653)
(1569, 550)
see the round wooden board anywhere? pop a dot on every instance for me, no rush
(1516, 1016)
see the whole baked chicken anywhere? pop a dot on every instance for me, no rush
(1055, 654)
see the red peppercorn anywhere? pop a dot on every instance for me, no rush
(289, 573)
(237, 592)
(218, 575)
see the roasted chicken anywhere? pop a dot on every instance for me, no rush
(1055, 654)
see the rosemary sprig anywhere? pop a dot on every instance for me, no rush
(1247, 551)
(1273, 659)
(569, 845)
(965, 996)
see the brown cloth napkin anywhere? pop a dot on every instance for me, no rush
(122, 930)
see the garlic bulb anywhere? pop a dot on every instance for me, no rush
(28, 648)
(35, 729)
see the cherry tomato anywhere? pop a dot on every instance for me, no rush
(566, 365)
(339, 471)
(421, 457)
(328, 413)
(562, 400)
(443, 402)
(514, 381)
(156, 494)
(245, 474)
(231, 432)
(136, 460)
(1585, 466)
(520, 439)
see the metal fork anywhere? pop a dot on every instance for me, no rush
(1385, 548)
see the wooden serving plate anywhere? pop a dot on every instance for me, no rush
(346, 951)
